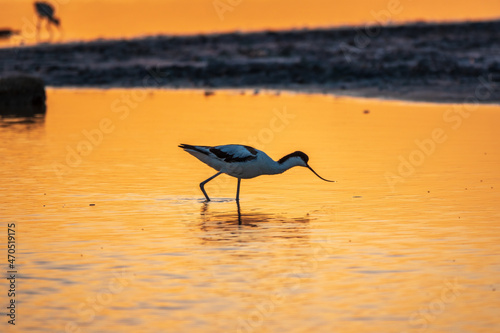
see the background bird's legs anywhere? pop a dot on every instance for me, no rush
(49, 29)
(38, 26)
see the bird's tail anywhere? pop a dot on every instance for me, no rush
(184, 146)
(191, 148)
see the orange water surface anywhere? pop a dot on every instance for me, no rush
(113, 234)
(90, 19)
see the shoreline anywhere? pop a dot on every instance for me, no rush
(359, 94)
(422, 62)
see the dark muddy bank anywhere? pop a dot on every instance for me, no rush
(457, 62)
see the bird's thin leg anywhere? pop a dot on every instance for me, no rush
(239, 211)
(238, 190)
(202, 184)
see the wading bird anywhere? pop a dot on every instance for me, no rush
(244, 162)
(7, 33)
(45, 10)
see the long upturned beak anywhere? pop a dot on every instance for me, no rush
(326, 180)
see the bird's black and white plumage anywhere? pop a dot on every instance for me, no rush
(244, 162)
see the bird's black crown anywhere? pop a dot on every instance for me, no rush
(300, 154)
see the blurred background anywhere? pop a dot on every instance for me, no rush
(90, 19)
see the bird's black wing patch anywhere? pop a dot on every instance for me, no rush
(252, 150)
(230, 158)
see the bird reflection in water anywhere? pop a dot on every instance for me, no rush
(229, 219)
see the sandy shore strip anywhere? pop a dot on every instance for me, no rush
(453, 62)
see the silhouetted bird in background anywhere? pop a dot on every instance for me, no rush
(45, 10)
(7, 33)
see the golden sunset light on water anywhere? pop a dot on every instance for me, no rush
(163, 166)
(115, 215)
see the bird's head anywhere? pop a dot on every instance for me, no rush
(299, 158)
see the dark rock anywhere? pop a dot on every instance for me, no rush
(22, 96)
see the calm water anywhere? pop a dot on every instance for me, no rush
(112, 233)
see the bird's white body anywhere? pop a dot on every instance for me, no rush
(241, 161)
(244, 162)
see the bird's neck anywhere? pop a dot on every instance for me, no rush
(282, 167)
